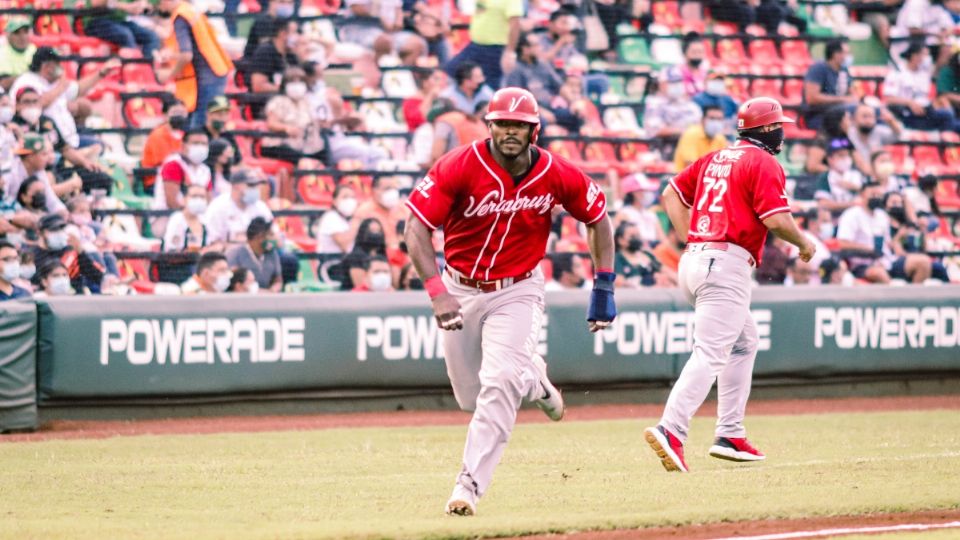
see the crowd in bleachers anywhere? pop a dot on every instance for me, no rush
(174, 147)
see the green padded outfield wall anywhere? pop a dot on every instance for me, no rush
(18, 391)
(169, 346)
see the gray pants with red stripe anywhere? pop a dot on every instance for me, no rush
(492, 365)
(718, 285)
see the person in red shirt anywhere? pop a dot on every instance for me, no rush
(724, 204)
(493, 198)
(164, 140)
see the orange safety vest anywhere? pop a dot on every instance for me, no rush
(206, 40)
(467, 128)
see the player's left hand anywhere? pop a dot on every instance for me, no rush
(602, 308)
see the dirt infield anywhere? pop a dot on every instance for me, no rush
(65, 429)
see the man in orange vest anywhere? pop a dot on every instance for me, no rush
(200, 65)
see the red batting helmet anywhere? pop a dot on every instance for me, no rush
(760, 111)
(515, 104)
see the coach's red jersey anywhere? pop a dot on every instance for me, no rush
(730, 192)
(494, 227)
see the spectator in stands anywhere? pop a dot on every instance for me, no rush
(835, 271)
(671, 111)
(409, 280)
(715, 94)
(220, 161)
(378, 277)
(200, 65)
(54, 280)
(212, 276)
(430, 23)
(218, 123)
(568, 273)
(611, 14)
(429, 87)
(371, 24)
(633, 263)
(865, 228)
(922, 198)
(273, 58)
(370, 242)
(9, 133)
(570, 110)
(773, 269)
(948, 84)
(668, 252)
(743, 13)
(259, 254)
(827, 84)
(334, 234)
(867, 136)
(837, 189)
(290, 114)
(926, 22)
(30, 118)
(32, 199)
(384, 206)
(639, 199)
(10, 273)
(907, 244)
(17, 52)
(182, 170)
(693, 71)
(186, 232)
(801, 273)
(701, 139)
(559, 42)
(243, 281)
(59, 96)
(229, 215)
(28, 269)
(454, 128)
(817, 225)
(35, 155)
(533, 73)
(470, 88)
(836, 124)
(115, 26)
(165, 139)
(84, 264)
(884, 172)
(907, 93)
(81, 217)
(493, 42)
(262, 29)
(770, 13)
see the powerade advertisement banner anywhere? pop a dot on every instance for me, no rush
(128, 347)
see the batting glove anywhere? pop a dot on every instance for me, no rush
(602, 308)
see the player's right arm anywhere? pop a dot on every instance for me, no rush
(785, 227)
(772, 206)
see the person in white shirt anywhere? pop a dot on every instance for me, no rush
(801, 273)
(334, 234)
(865, 228)
(185, 230)
(639, 197)
(568, 274)
(183, 169)
(838, 188)
(907, 93)
(229, 215)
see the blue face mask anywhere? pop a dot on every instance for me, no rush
(251, 195)
(285, 11)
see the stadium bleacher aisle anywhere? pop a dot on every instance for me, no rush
(175, 147)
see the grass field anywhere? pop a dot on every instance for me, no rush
(394, 482)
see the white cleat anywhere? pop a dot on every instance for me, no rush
(463, 502)
(551, 402)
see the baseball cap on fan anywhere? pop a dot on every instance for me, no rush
(15, 24)
(638, 182)
(837, 145)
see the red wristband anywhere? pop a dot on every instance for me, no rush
(607, 270)
(435, 286)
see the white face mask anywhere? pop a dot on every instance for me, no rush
(380, 281)
(713, 128)
(675, 91)
(60, 286)
(6, 114)
(848, 60)
(196, 205)
(648, 198)
(884, 169)
(223, 281)
(390, 198)
(57, 240)
(716, 87)
(347, 206)
(826, 231)
(253, 288)
(251, 195)
(16, 239)
(27, 271)
(31, 114)
(843, 165)
(197, 153)
(296, 90)
(11, 271)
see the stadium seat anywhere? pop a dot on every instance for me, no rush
(947, 196)
(316, 190)
(730, 53)
(667, 13)
(927, 159)
(793, 91)
(566, 149)
(767, 87)
(796, 52)
(763, 52)
(142, 112)
(900, 155)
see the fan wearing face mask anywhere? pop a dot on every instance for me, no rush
(10, 273)
(35, 156)
(165, 139)
(379, 276)
(334, 234)
(715, 94)
(61, 245)
(384, 205)
(183, 169)
(54, 280)
(694, 68)
(701, 139)
(369, 243)
(869, 136)
(296, 134)
(213, 276)
(259, 255)
(639, 207)
(671, 111)
(838, 188)
(230, 213)
(634, 264)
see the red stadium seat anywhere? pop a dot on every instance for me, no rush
(316, 190)
(143, 112)
(928, 160)
(951, 154)
(767, 87)
(667, 13)
(730, 52)
(566, 149)
(764, 52)
(793, 91)
(899, 154)
(947, 195)
(269, 166)
(796, 52)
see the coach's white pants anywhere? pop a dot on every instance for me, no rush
(718, 285)
(491, 365)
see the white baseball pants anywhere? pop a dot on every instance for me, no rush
(718, 285)
(492, 366)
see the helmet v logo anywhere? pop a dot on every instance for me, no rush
(515, 102)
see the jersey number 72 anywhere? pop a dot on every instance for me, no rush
(717, 185)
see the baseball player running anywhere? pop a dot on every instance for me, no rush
(724, 204)
(493, 199)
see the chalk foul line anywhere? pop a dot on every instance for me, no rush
(849, 531)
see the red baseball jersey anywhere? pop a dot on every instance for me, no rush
(494, 227)
(730, 192)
